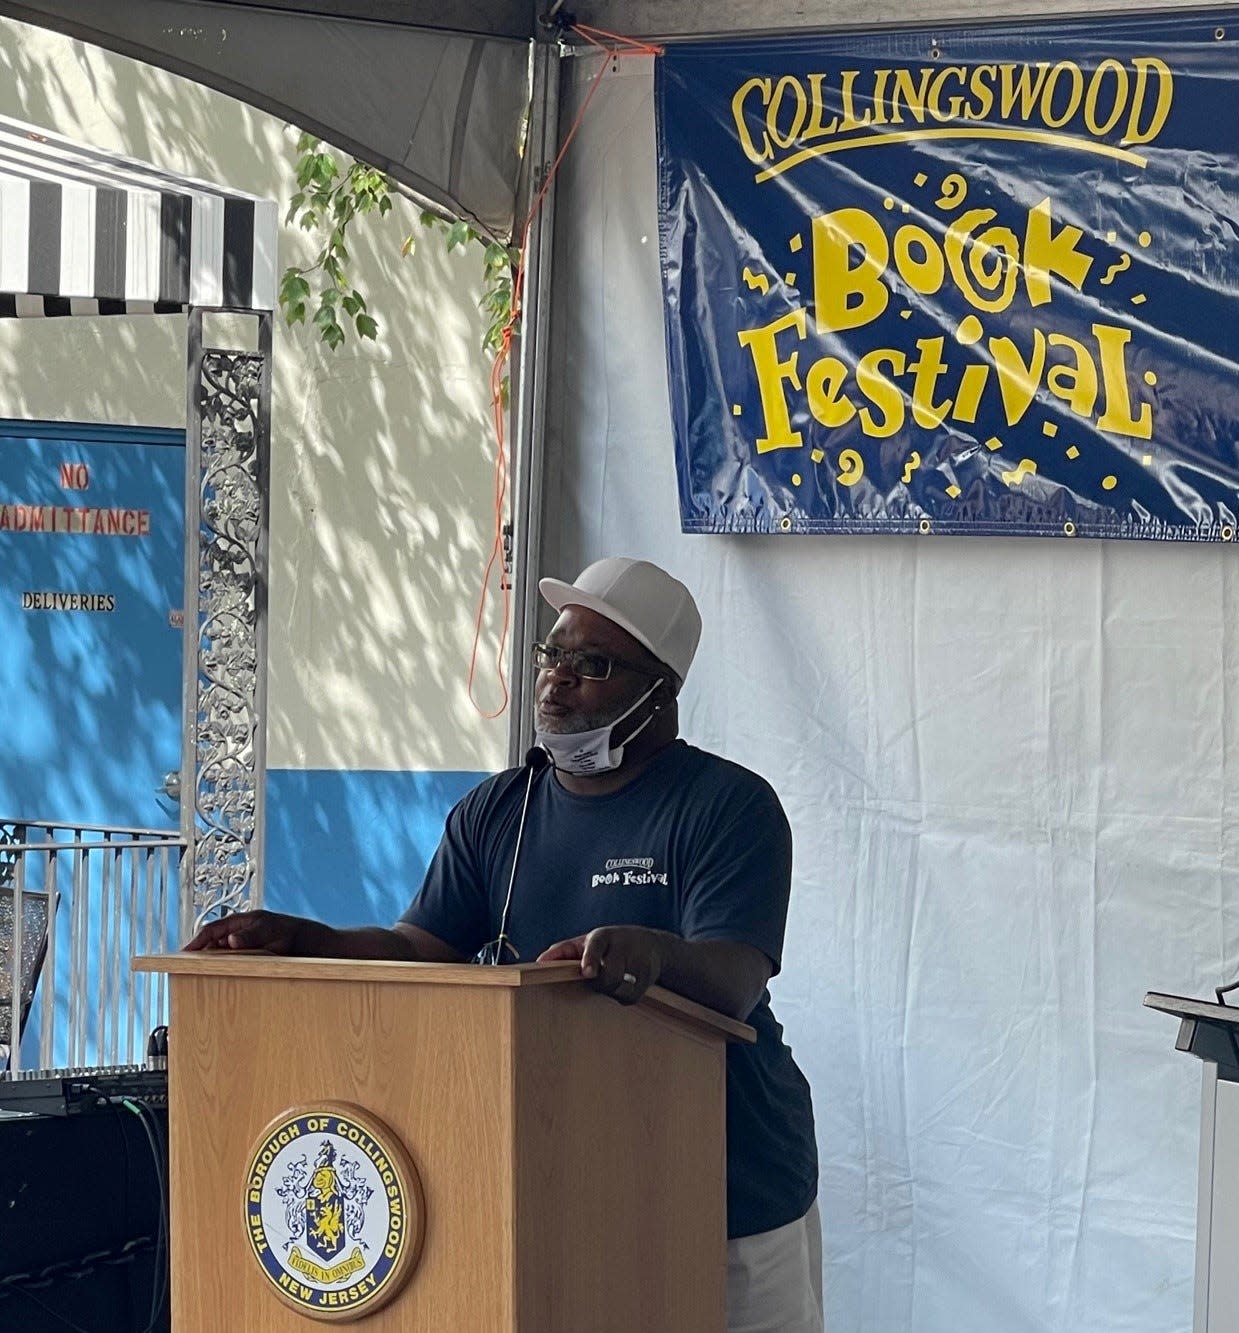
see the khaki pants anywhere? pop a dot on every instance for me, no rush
(774, 1280)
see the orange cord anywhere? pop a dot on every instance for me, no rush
(628, 46)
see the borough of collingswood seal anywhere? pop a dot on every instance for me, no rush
(334, 1210)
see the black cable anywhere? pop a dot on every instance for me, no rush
(159, 1276)
(64, 1319)
(127, 1200)
(164, 1209)
(154, 1136)
(154, 1307)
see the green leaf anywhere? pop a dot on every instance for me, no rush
(324, 317)
(385, 206)
(309, 220)
(333, 336)
(293, 288)
(366, 326)
(350, 305)
(427, 218)
(493, 340)
(307, 142)
(293, 205)
(359, 298)
(458, 234)
(296, 315)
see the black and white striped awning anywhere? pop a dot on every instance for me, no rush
(84, 232)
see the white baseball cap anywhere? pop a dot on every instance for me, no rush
(656, 609)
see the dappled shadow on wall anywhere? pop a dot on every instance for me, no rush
(382, 517)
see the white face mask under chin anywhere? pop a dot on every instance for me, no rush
(581, 753)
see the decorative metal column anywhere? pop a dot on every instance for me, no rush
(227, 508)
(530, 358)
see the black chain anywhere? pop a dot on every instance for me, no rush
(72, 1269)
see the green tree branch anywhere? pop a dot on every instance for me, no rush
(329, 199)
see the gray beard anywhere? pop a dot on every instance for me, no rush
(570, 723)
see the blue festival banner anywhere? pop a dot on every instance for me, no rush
(973, 280)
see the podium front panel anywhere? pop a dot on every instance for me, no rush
(432, 1062)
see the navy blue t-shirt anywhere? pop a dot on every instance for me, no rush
(694, 845)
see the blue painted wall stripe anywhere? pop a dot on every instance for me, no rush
(352, 848)
(92, 432)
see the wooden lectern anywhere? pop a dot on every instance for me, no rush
(569, 1153)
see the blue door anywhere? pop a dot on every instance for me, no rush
(91, 577)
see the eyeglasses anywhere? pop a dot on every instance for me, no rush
(589, 666)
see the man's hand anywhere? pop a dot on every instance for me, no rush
(302, 938)
(625, 961)
(270, 931)
(620, 961)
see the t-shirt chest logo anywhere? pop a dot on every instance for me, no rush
(628, 871)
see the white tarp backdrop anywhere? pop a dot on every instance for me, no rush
(1005, 764)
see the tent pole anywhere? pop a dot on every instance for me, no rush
(530, 359)
(189, 623)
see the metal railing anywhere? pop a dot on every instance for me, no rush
(77, 903)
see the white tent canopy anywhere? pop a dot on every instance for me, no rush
(83, 232)
(441, 111)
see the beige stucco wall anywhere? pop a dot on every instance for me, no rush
(381, 509)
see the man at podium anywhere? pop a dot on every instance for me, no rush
(650, 861)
